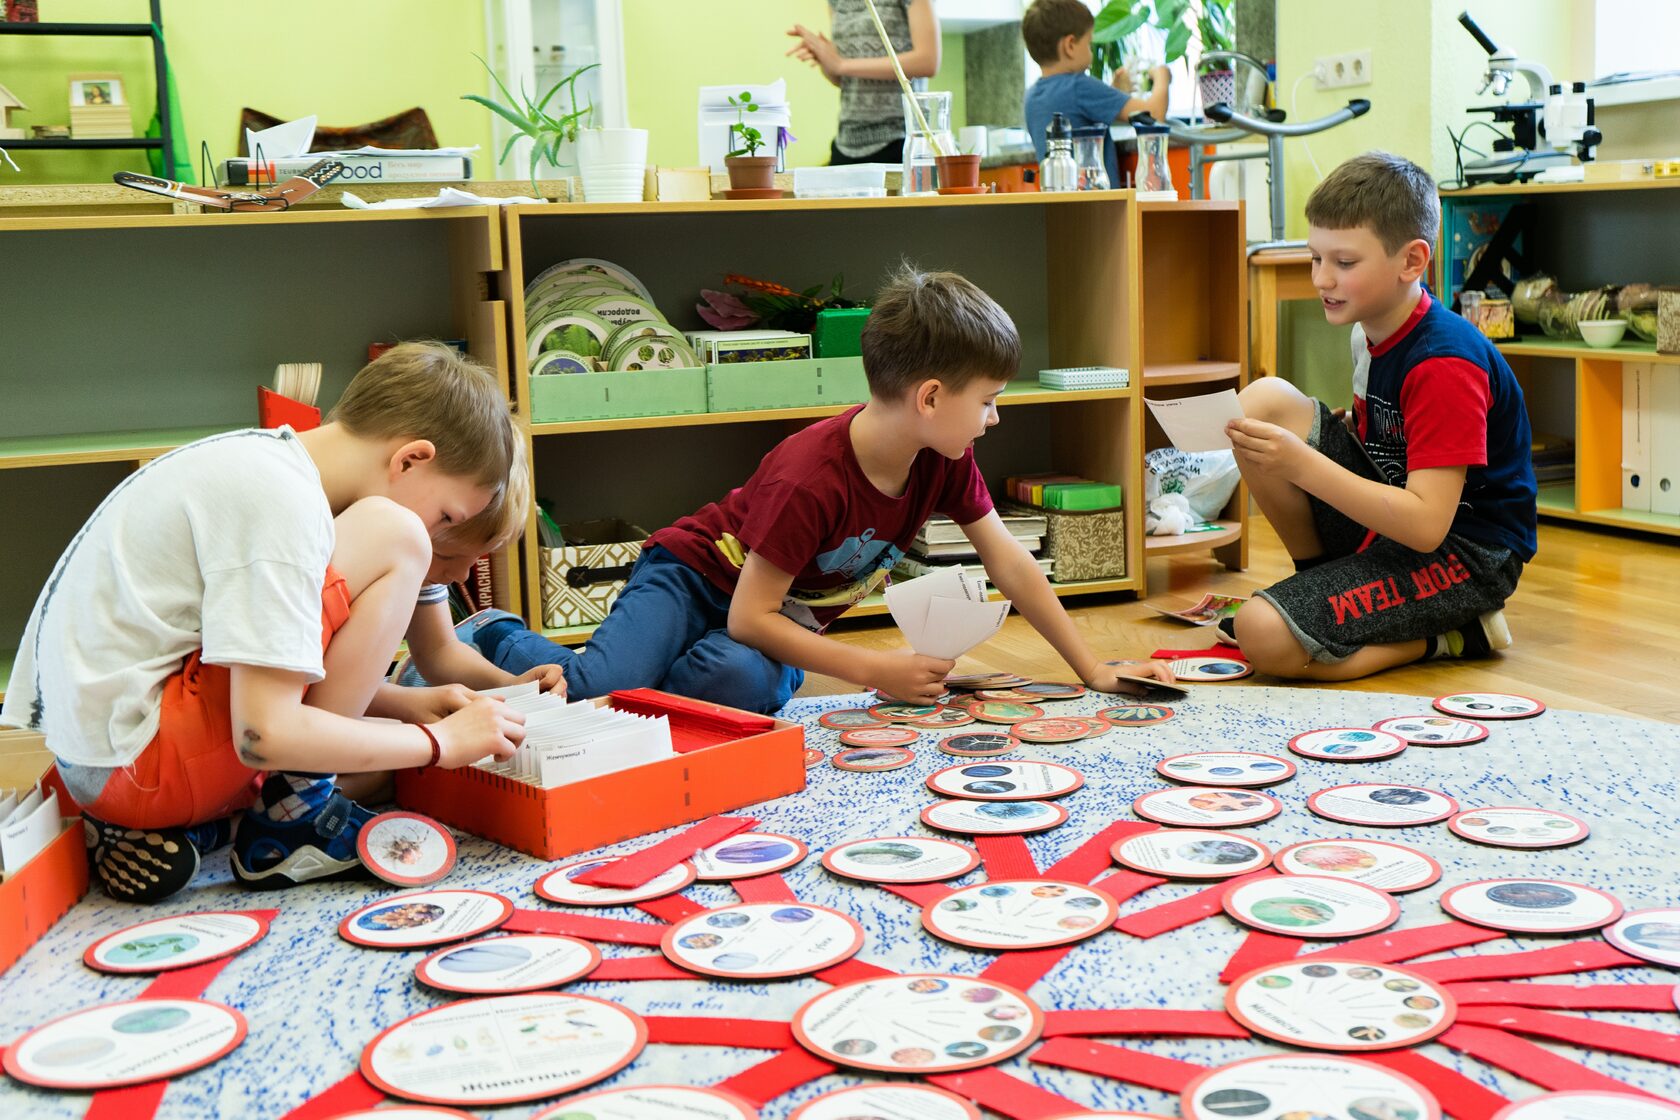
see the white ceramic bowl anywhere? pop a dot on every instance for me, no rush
(1603, 333)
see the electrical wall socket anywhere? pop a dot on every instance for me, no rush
(1338, 71)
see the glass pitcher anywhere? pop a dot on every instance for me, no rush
(920, 176)
(1092, 172)
(1153, 174)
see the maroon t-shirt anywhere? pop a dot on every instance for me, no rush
(811, 511)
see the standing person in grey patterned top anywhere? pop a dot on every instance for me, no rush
(871, 126)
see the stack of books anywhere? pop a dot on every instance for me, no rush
(101, 122)
(941, 544)
(1554, 458)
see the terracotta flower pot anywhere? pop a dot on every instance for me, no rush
(751, 173)
(957, 172)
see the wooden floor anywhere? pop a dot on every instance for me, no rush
(1595, 626)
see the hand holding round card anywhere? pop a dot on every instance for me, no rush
(1226, 768)
(1304, 1086)
(1531, 905)
(901, 859)
(960, 1023)
(1331, 1004)
(406, 849)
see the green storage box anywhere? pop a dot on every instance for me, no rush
(1082, 497)
(803, 383)
(558, 397)
(839, 332)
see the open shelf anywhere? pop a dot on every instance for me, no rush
(1635, 351)
(1227, 532)
(1190, 373)
(1493, 190)
(97, 447)
(1558, 501)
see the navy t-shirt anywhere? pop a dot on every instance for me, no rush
(1083, 101)
(1439, 394)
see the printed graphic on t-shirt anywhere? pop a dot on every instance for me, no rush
(862, 556)
(1385, 439)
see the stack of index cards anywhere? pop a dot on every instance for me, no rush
(568, 742)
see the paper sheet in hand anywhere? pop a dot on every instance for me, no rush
(945, 614)
(1197, 423)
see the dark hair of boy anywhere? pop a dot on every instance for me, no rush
(1393, 196)
(1048, 22)
(936, 325)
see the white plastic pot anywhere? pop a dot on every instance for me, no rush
(605, 158)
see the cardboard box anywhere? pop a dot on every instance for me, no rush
(580, 582)
(36, 896)
(725, 759)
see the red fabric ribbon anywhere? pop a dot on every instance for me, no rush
(671, 908)
(641, 968)
(764, 888)
(1659, 1046)
(648, 864)
(1184, 911)
(1006, 857)
(1530, 1061)
(1258, 950)
(1405, 944)
(586, 926)
(1166, 1074)
(1006, 1094)
(1085, 861)
(1460, 1097)
(702, 1030)
(1567, 997)
(769, 1079)
(1581, 956)
(919, 893)
(1144, 1021)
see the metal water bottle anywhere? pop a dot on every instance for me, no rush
(1058, 171)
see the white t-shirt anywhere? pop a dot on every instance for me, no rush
(221, 545)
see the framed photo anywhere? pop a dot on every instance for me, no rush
(96, 89)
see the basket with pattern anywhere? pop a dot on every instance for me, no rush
(582, 579)
(1084, 544)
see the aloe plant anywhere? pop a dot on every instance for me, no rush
(546, 132)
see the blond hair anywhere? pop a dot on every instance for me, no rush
(936, 325)
(426, 390)
(1389, 194)
(505, 517)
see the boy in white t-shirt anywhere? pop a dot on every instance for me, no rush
(230, 609)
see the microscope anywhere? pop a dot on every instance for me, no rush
(1549, 132)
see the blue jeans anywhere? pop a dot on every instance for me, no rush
(667, 630)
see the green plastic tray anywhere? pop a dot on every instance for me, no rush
(560, 397)
(803, 383)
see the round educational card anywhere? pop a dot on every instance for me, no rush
(901, 859)
(1203, 807)
(1531, 905)
(1434, 731)
(1331, 1004)
(1020, 914)
(813, 757)
(951, 715)
(411, 921)
(1382, 805)
(504, 1049)
(1509, 826)
(1488, 705)
(1004, 711)
(1307, 1087)
(524, 962)
(979, 745)
(560, 885)
(1048, 690)
(406, 849)
(848, 718)
(1016, 693)
(907, 1101)
(1058, 729)
(1392, 868)
(125, 1043)
(164, 944)
(762, 940)
(1311, 906)
(749, 853)
(896, 712)
(1136, 715)
(974, 682)
(872, 758)
(1651, 935)
(993, 818)
(1588, 1105)
(1005, 781)
(1226, 768)
(1210, 670)
(918, 1024)
(652, 1102)
(890, 736)
(1347, 744)
(1188, 853)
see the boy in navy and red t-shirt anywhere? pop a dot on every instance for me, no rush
(729, 604)
(1410, 520)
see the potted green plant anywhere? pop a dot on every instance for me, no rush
(1211, 21)
(748, 171)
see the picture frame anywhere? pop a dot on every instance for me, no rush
(96, 90)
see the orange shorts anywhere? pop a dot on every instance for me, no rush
(190, 772)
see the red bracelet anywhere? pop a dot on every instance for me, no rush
(437, 749)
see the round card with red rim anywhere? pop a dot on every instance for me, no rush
(506, 1049)
(1434, 731)
(521, 962)
(1004, 711)
(813, 757)
(979, 744)
(406, 849)
(950, 715)
(1382, 804)
(413, 921)
(1330, 1003)
(747, 854)
(126, 1043)
(181, 941)
(1206, 807)
(1488, 705)
(1531, 905)
(1020, 914)
(1052, 690)
(1057, 729)
(1136, 715)
(1005, 781)
(993, 818)
(1190, 853)
(1304, 1085)
(1227, 768)
(893, 735)
(872, 759)
(973, 682)
(1651, 935)
(1347, 744)
(1008, 694)
(1592, 1104)
(1514, 826)
(762, 940)
(923, 1102)
(894, 711)
(848, 718)
(901, 859)
(653, 1102)
(560, 885)
(1391, 868)
(963, 1022)
(1310, 906)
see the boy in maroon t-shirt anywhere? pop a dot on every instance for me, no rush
(730, 603)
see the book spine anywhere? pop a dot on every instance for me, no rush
(357, 169)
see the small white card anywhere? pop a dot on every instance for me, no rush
(945, 614)
(27, 833)
(1197, 423)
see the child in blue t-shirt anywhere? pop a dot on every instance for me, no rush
(1058, 36)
